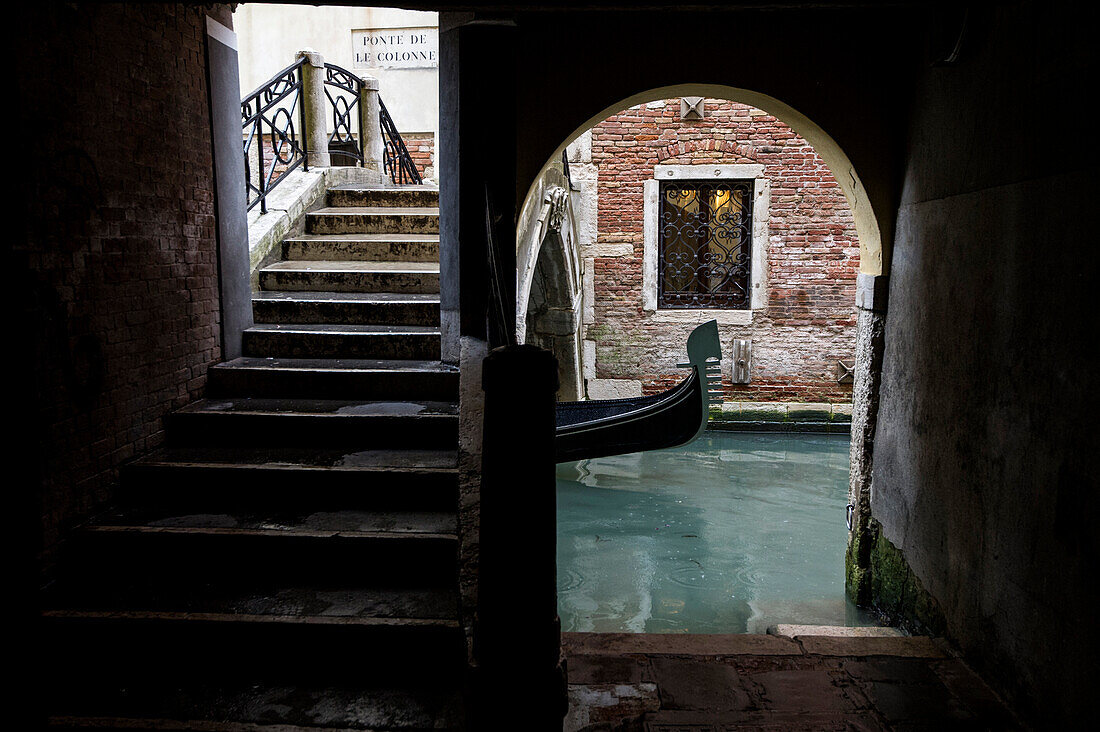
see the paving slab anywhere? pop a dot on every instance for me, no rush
(811, 690)
(580, 644)
(610, 669)
(925, 703)
(897, 670)
(703, 683)
(912, 647)
(591, 705)
(969, 688)
(699, 684)
(758, 721)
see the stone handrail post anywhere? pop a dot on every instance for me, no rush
(370, 126)
(314, 109)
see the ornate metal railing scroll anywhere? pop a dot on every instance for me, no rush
(396, 159)
(705, 251)
(339, 85)
(270, 112)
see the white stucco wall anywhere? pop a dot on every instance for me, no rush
(270, 36)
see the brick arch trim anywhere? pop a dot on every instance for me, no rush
(683, 148)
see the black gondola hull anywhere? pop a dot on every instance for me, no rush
(612, 427)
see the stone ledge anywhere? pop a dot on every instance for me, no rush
(781, 417)
(578, 644)
(837, 631)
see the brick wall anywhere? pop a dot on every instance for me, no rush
(421, 146)
(812, 262)
(115, 270)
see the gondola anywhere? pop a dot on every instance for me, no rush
(674, 417)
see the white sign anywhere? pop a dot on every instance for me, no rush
(395, 48)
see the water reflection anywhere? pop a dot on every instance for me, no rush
(731, 534)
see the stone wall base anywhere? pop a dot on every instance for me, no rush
(879, 577)
(781, 417)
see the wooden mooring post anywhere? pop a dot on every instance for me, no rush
(517, 642)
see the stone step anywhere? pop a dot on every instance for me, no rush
(100, 702)
(258, 421)
(237, 480)
(269, 552)
(342, 341)
(376, 604)
(363, 247)
(405, 196)
(231, 646)
(342, 276)
(373, 220)
(304, 378)
(346, 307)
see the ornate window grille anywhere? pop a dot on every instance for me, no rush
(705, 244)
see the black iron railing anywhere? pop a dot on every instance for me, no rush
(269, 112)
(274, 147)
(396, 160)
(339, 85)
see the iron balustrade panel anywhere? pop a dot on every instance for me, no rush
(340, 85)
(269, 112)
(396, 161)
(705, 244)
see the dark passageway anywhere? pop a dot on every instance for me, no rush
(972, 418)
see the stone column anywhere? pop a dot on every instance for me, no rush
(314, 108)
(871, 293)
(518, 635)
(229, 171)
(370, 124)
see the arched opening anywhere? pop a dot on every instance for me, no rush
(802, 236)
(548, 311)
(552, 313)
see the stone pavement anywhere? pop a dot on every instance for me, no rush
(621, 682)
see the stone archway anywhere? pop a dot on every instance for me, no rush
(870, 297)
(549, 300)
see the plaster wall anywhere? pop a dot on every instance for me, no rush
(984, 474)
(271, 34)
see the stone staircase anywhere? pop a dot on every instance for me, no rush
(289, 557)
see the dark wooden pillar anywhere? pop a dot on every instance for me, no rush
(517, 639)
(518, 675)
(477, 108)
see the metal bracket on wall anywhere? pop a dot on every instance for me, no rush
(742, 361)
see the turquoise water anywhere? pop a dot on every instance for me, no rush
(730, 534)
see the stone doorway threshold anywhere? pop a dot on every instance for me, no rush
(809, 680)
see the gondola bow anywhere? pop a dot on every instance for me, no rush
(674, 417)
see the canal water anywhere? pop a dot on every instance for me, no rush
(730, 534)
